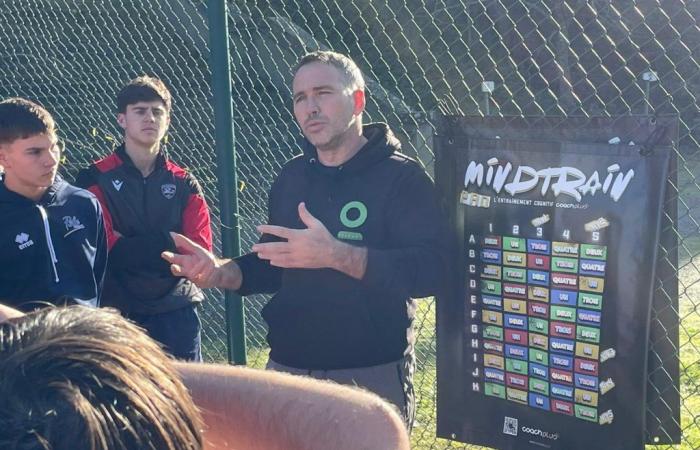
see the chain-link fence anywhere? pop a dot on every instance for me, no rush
(74, 56)
(421, 57)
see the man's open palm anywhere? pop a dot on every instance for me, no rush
(310, 248)
(193, 262)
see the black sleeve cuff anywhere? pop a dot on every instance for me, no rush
(142, 252)
(259, 277)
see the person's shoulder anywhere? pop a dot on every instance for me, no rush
(296, 162)
(290, 172)
(86, 177)
(405, 164)
(185, 175)
(405, 174)
(89, 176)
(293, 167)
(74, 191)
(402, 159)
(77, 195)
(107, 163)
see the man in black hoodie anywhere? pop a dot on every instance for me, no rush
(354, 232)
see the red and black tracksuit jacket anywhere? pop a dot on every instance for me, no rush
(139, 213)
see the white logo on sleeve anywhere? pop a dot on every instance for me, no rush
(117, 184)
(72, 224)
(23, 241)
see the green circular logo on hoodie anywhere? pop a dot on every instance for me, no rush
(361, 214)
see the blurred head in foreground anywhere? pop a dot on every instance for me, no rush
(77, 378)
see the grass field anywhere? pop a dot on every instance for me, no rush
(689, 341)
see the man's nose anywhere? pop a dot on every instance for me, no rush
(313, 108)
(54, 156)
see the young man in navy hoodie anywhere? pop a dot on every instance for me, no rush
(354, 233)
(53, 246)
(145, 196)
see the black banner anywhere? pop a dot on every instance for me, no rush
(547, 346)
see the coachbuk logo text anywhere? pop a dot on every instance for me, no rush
(540, 433)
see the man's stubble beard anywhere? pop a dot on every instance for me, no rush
(335, 141)
(332, 144)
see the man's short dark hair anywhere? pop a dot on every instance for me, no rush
(347, 67)
(21, 118)
(143, 89)
(77, 378)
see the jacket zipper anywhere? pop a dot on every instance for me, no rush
(49, 242)
(143, 194)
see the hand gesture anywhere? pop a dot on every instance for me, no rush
(310, 248)
(193, 262)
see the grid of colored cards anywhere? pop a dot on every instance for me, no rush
(540, 306)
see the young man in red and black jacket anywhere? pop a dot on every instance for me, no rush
(145, 196)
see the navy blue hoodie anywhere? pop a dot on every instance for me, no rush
(379, 199)
(53, 250)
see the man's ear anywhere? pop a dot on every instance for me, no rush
(121, 120)
(359, 102)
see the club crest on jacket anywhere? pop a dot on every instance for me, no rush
(168, 190)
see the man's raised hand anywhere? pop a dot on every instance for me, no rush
(310, 248)
(193, 262)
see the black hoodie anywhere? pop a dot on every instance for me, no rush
(379, 199)
(53, 250)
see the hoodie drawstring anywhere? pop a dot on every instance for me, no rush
(49, 242)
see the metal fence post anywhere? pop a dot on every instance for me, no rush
(487, 89)
(648, 77)
(226, 170)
